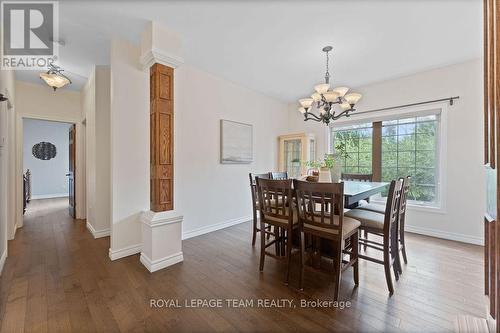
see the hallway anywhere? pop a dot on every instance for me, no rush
(58, 278)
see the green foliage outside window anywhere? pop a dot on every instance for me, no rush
(409, 148)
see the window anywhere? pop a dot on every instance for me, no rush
(357, 140)
(292, 157)
(409, 148)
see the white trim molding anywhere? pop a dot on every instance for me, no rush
(124, 252)
(161, 239)
(155, 265)
(154, 220)
(214, 227)
(2, 260)
(445, 235)
(161, 57)
(98, 233)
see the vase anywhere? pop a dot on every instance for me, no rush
(325, 175)
(336, 173)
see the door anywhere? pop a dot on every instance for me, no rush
(293, 154)
(71, 171)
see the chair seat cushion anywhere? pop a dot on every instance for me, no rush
(282, 220)
(373, 208)
(367, 218)
(348, 225)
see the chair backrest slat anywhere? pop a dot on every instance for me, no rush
(357, 177)
(392, 205)
(275, 198)
(330, 199)
(403, 200)
(278, 175)
(253, 186)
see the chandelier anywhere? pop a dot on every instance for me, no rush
(55, 78)
(326, 100)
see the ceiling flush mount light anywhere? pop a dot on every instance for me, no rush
(55, 78)
(324, 99)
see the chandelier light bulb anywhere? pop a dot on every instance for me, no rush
(341, 91)
(322, 88)
(331, 96)
(345, 106)
(316, 97)
(352, 98)
(302, 110)
(306, 102)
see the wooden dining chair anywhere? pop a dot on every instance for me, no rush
(360, 177)
(278, 175)
(255, 201)
(384, 225)
(276, 209)
(402, 215)
(321, 214)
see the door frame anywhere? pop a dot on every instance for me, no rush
(80, 165)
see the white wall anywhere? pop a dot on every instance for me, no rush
(96, 108)
(48, 176)
(209, 195)
(7, 162)
(129, 147)
(41, 102)
(465, 174)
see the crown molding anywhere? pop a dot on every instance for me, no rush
(156, 56)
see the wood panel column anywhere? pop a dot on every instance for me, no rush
(162, 137)
(377, 151)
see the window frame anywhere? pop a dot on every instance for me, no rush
(440, 109)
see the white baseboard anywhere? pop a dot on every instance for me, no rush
(214, 227)
(49, 196)
(124, 252)
(13, 233)
(155, 265)
(445, 235)
(2, 260)
(98, 233)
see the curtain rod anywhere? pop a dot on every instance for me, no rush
(449, 99)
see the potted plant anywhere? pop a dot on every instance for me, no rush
(330, 168)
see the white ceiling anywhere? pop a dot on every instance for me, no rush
(275, 46)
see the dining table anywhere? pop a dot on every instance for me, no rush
(355, 191)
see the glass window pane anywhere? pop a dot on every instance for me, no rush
(427, 128)
(406, 129)
(426, 141)
(389, 143)
(406, 159)
(390, 159)
(365, 144)
(389, 130)
(406, 142)
(365, 159)
(426, 158)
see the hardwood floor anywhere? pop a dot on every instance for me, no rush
(57, 278)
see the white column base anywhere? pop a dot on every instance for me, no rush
(161, 239)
